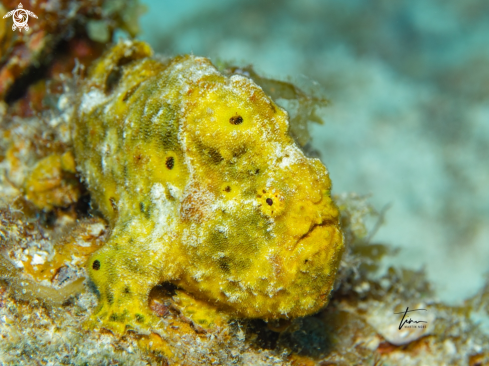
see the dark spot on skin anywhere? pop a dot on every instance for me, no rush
(227, 189)
(145, 209)
(269, 201)
(239, 152)
(110, 297)
(257, 171)
(115, 74)
(236, 120)
(129, 93)
(113, 79)
(127, 290)
(125, 60)
(307, 260)
(113, 204)
(96, 265)
(215, 156)
(170, 162)
(139, 318)
(264, 191)
(113, 317)
(224, 264)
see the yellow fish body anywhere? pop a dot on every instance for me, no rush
(204, 188)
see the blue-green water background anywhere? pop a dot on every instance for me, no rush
(409, 120)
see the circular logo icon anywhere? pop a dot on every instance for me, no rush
(20, 16)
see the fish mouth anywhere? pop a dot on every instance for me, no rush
(319, 245)
(311, 229)
(314, 228)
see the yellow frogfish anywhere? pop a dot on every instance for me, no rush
(203, 188)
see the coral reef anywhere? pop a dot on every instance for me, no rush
(52, 182)
(65, 35)
(42, 322)
(349, 331)
(43, 262)
(203, 188)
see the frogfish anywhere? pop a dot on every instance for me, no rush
(203, 188)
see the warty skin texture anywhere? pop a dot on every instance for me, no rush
(203, 188)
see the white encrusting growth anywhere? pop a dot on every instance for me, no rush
(92, 99)
(174, 191)
(164, 211)
(291, 155)
(104, 151)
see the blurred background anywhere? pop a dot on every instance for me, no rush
(409, 119)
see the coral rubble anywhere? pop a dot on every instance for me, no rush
(349, 331)
(60, 23)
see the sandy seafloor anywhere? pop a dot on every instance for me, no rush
(409, 119)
